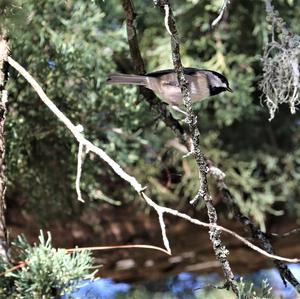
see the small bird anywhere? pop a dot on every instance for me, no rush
(203, 83)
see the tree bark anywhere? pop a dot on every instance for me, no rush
(4, 51)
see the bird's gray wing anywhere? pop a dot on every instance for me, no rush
(169, 83)
(187, 71)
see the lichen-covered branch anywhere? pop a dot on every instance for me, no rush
(215, 234)
(254, 230)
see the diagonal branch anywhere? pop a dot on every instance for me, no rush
(264, 239)
(161, 210)
(75, 130)
(131, 180)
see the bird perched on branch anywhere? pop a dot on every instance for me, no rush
(202, 83)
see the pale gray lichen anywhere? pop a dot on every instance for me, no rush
(280, 83)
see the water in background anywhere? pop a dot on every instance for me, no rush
(182, 286)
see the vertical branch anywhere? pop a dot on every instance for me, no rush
(156, 105)
(4, 50)
(215, 234)
(135, 52)
(191, 117)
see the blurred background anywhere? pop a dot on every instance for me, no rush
(70, 47)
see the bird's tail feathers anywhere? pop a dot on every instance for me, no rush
(126, 79)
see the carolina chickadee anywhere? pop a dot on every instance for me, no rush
(203, 83)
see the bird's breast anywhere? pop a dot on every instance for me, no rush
(167, 88)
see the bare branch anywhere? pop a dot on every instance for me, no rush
(167, 16)
(79, 170)
(102, 248)
(256, 233)
(74, 129)
(131, 180)
(222, 10)
(163, 229)
(161, 210)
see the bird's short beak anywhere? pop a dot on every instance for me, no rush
(229, 89)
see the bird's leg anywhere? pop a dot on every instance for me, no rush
(176, 108)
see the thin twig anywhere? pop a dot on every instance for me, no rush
(93, 248)
(12, 269)
(161, 210)
(222, 10)
(284, 235)
(102, 248)
(163, 228)
(79, 170)
(167, 15)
